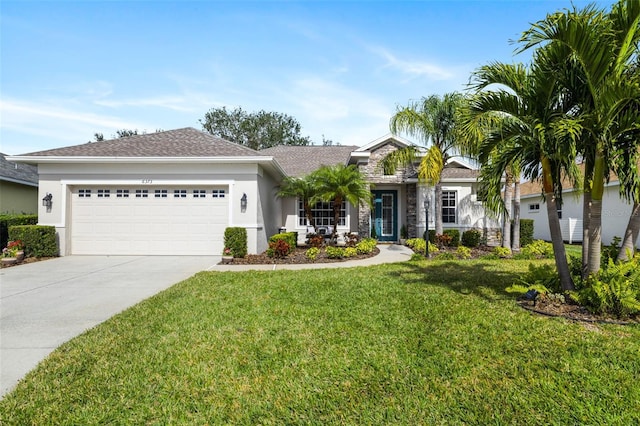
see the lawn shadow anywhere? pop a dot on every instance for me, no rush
(482, 279)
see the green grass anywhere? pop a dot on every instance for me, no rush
(413, 343)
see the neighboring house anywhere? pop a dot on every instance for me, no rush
(175, 192)
(615, 212)
(18, 187)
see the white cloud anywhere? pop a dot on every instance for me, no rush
(174, 103)
(413, 68)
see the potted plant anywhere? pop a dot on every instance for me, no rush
(12, 253)
(227, 255)
(403, 235)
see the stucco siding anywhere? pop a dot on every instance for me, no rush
(16, 198)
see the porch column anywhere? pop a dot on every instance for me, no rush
(364, 219)
(412, 205)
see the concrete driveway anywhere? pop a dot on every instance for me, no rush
(45, 304)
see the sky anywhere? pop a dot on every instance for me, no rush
(70, 69)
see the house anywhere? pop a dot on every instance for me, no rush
(175, 192)
(18, 187)
(615, 212)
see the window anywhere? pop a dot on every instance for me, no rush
(142, 193)
(449, 207)
(179, 193)
(84, 193)
(534, 207)
(122, 193)
(161, 193)
(199, 193)
(104, 193)
(322, 214)
(218, 193)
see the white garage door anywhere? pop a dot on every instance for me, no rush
(149, 220)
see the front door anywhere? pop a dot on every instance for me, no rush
(385, 217)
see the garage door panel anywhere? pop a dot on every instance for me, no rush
(153, 225)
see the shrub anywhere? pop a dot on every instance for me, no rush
(8, 220)
(288, 237)
(443, 240)
(471, 238)
(502, 252)
(463, 252)
(526, 232)
(455, 237)
(38, 240)
(351, 239)
(403, 232)
(350, 252)
(538, 249)
(614, 290)
(432, 235)
(543, 279)
(418, 246)
(279, 248)
(335, 252)
(235, 238)
(445, 255)
(315, 240)
(366, 246)
(416, 257)
(374, 234)
(312, 253)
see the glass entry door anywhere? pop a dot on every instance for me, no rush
(385, 216)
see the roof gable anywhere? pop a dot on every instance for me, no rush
(385, 140)
(181, 143)
(301, 160)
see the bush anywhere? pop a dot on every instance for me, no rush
(455, 237)
(443, 240)
(315, 240)
(543, 279)
(432, 235)
(471, 238)
(502, 252)
(8, 220)
(366, 246)
(614, 290)
(235, 239)
(289, 237)
(38, 240)
(312, 253)
(418, 246)
(445, 255)
(351, 239)
(526, 232)
(335, 252)
(279, 248)
(350, 252)
(463, 252)
(536, 250)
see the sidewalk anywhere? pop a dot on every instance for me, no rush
(389, 253)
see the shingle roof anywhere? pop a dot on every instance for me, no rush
(301, 160)
(187, 142)
(18, 172)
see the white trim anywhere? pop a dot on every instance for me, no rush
(381, 140)
(21, 182)
(154, 182)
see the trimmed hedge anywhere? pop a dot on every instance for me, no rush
(38, 240)
(526, 232)
(7, 220)
(235, 238)
(471, 238)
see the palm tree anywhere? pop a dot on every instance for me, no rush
(433, 120)
(525, 116)
(598, 49)
(339, 183)
(303, 188)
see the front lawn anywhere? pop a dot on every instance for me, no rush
(391, 344)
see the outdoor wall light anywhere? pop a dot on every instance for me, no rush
(46, 201)
(243, 203)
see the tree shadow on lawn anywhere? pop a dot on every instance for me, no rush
(480, 279)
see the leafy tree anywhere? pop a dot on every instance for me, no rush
(433, 120)
(340, 183)
(256, 130)
(598, 48)
(122, 133)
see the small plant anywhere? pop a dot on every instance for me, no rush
(418, 246)
(502, 252)
(455, 237)
(443, 240)
(335, 252)
(445, 255)
(366, 246)
(471, 238)
(350, 252)
(227, 252)
(463, 252)
(538, 249)
(351, 239)
(289, 237)
(403, 232)
(374, 234)
(312, 253)
(278, 249)
(12, 248)
(315, 240)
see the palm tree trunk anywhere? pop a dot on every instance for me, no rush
(508, 200)
(309, 213)
(559, 252)
(337, 203)
(438, 209)
(595, 221)
(586, 221)
(515, 244)
(630, 234)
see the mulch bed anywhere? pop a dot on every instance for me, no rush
(571, 311)
(27, 260)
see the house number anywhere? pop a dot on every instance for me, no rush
(147, 180)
